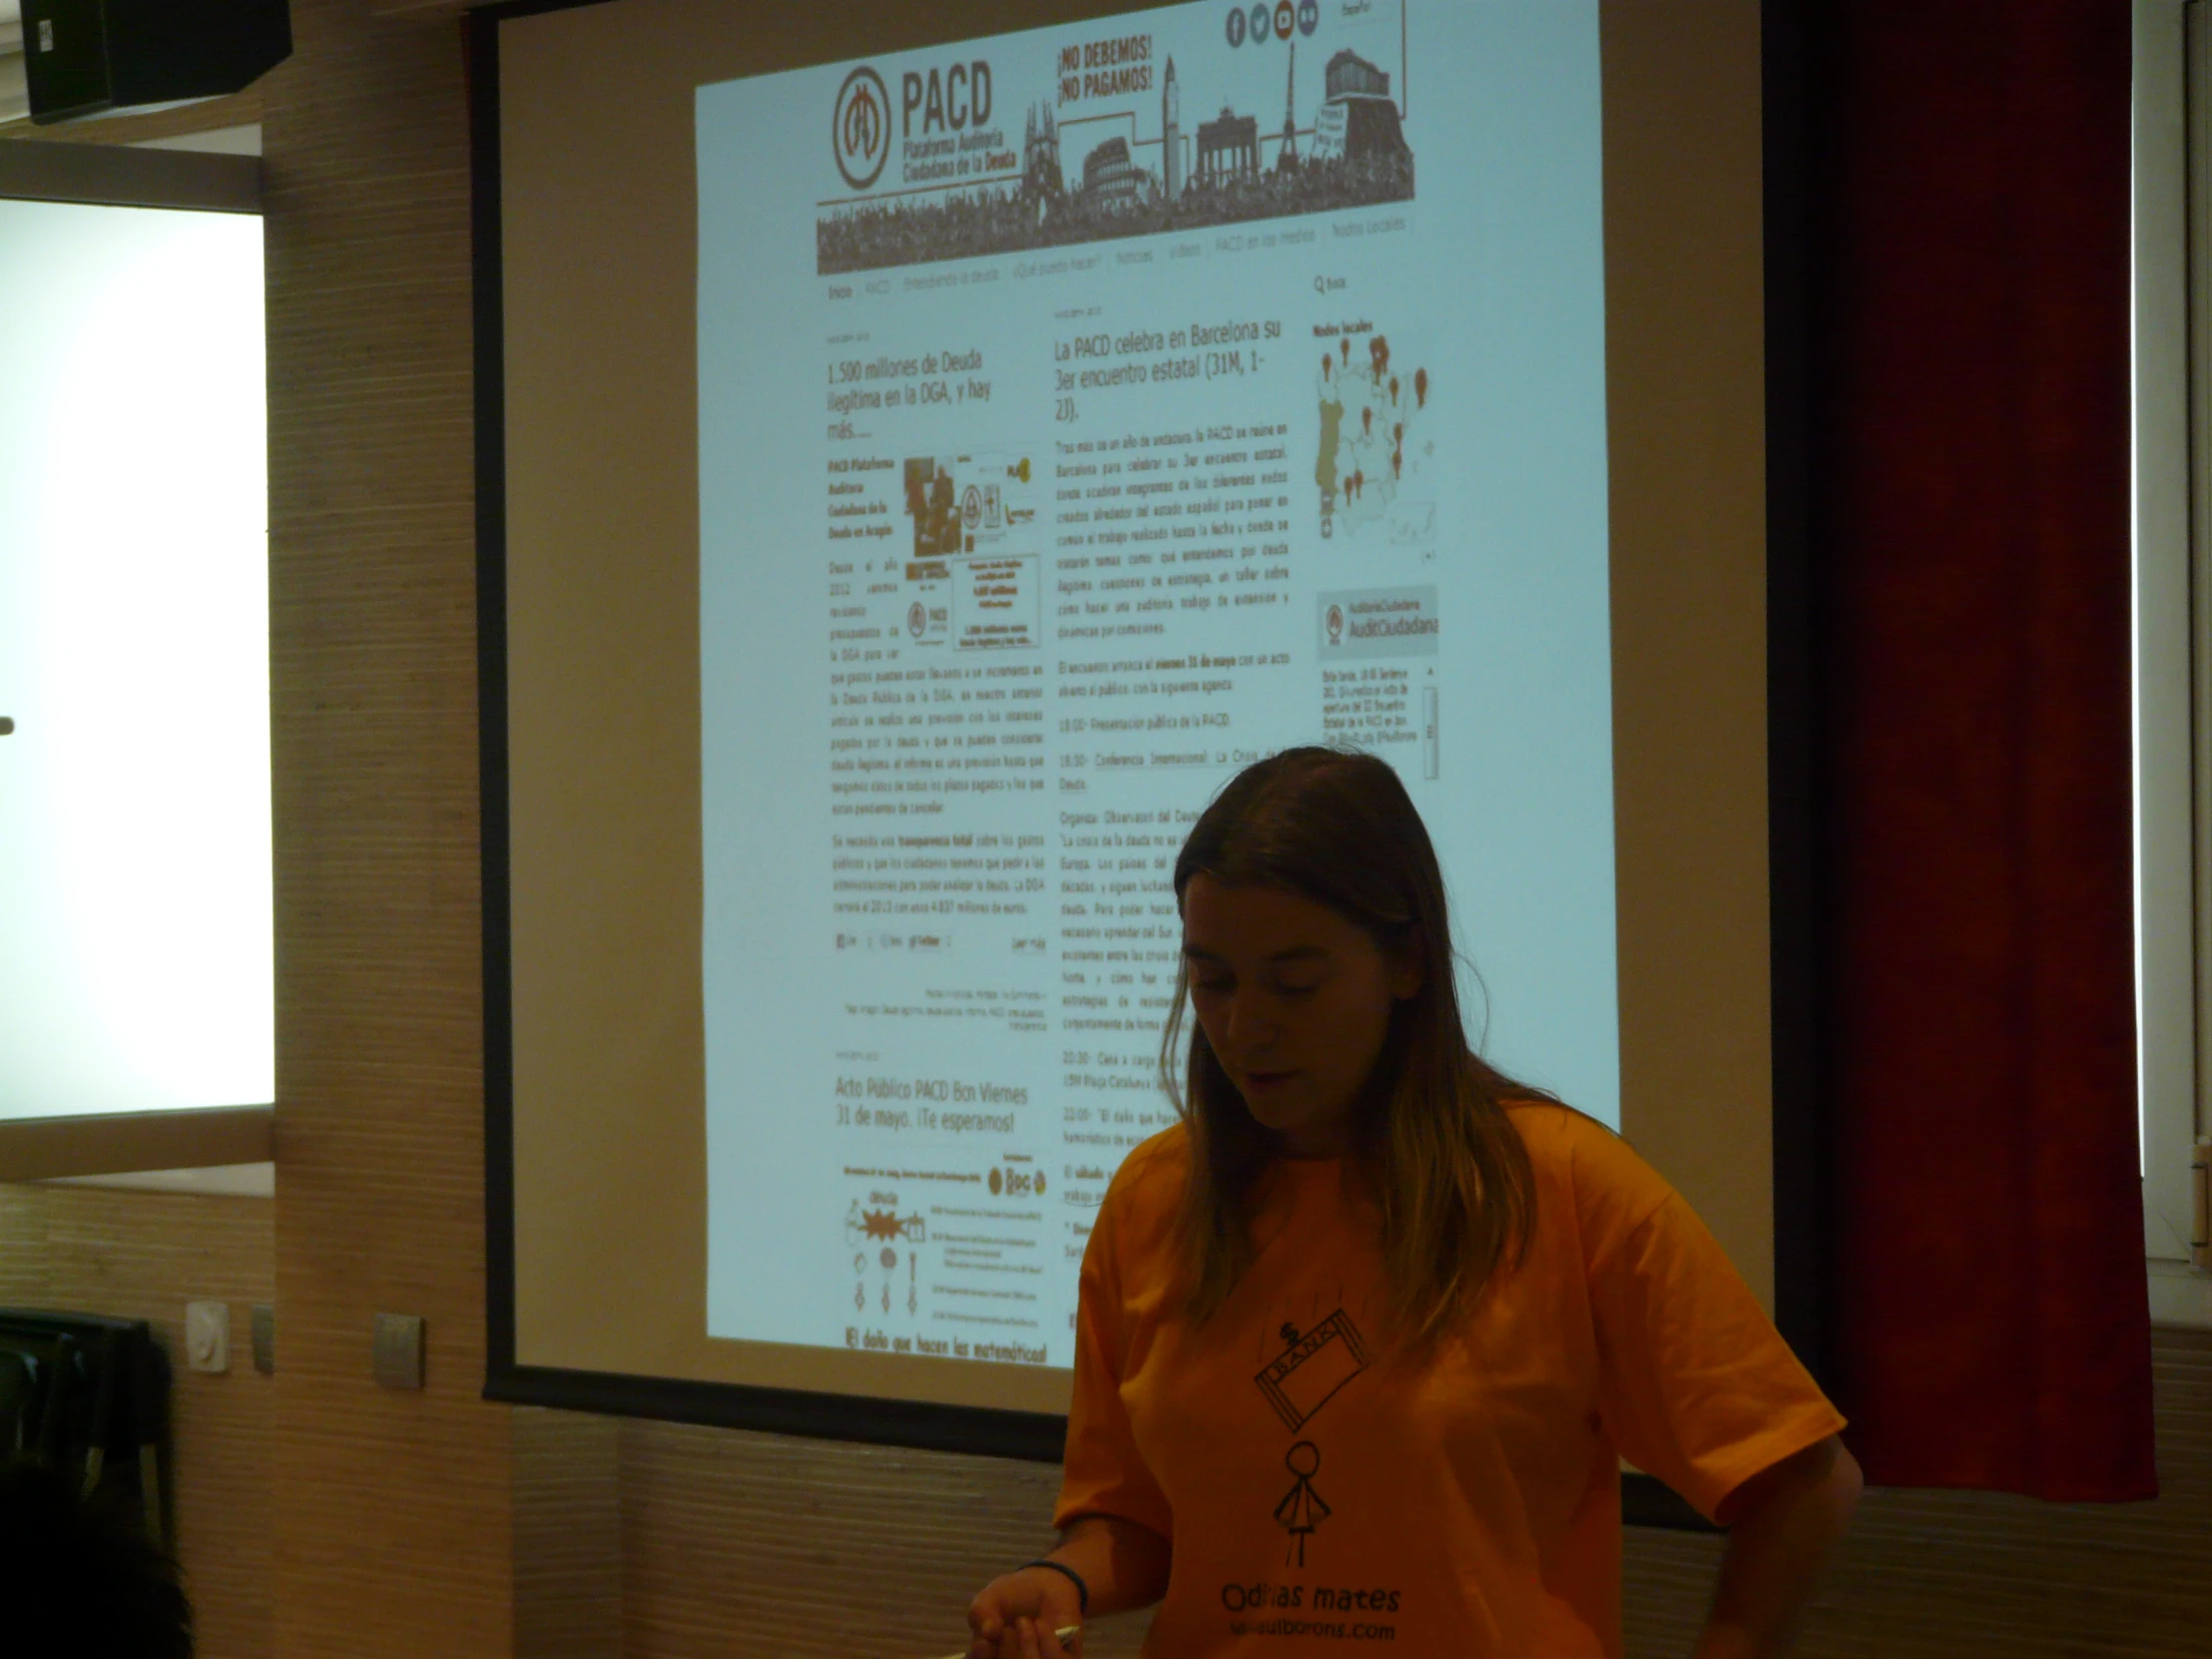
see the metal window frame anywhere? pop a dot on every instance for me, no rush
(112, 1143)
(2173, 670)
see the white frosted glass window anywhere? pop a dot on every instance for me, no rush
(135, 929)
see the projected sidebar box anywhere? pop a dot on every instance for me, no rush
(969, 585)
(1374, 693)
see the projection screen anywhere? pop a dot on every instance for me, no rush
(921, 463)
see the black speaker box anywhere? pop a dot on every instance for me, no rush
(85, 57)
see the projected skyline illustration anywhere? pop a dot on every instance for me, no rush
(1134, 169)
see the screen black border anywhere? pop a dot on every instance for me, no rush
(1800, 1278)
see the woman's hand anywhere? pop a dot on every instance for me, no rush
(1015, 1616)
(1121, 1564)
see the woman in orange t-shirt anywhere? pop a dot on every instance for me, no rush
(1362, 1340)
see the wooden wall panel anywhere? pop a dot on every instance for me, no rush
(748, 1543)
(567, 1535)
(1665, 1586)
(138, 1254)
(1966, 1574)
(394, 1508)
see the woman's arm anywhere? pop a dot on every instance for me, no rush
(1782, 1525)
(1125, 1566)
(1122, 1565)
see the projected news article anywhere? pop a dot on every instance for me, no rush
(1083, 413)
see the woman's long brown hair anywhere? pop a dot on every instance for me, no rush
(1432, 1138)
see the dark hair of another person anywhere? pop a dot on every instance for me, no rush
(76, 1577)
(1431, 1135)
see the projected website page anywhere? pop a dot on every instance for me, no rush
(1084, 414)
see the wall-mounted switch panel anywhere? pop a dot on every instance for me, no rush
(395, 1351)
(207, 1335)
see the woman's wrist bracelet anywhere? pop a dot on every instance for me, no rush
(1082, 1590)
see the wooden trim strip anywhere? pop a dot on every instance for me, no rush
(118, 176)
(39, 1149)
(978, 1430)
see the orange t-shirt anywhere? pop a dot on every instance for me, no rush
(1317, 1493)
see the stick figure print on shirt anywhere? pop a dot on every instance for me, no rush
(1309, 1371)
(1302, 1510)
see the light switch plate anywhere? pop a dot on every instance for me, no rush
(207, 1335)
(265, 1339)
(395, 1351)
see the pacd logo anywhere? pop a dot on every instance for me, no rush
(861, 127)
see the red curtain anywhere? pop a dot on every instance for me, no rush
(1968, 200)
